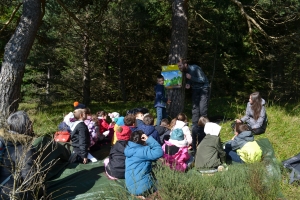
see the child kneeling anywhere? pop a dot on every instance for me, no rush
(140, 151)
(176, 154)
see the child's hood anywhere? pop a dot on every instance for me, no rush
(246, 135)
(212, 129)
(147, 129)
(132, 148)
(179, 124)
(177, 143)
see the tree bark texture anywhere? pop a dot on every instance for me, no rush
(178, 49)
(15, 55)
(86, 71)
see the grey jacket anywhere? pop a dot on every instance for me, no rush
(198, 78)
(240, 140)
(261, 122)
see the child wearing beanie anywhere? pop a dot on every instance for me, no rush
(115, 163)
(176, 151)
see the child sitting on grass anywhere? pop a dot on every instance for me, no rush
(176, 154)
(103, 125)
(163, 130)
(148, 127)
(115, 164)
(80, 138)
(140, 151)
(181, 123)
(242, 147)
(210, 154)
(129, 121)
(198, 132)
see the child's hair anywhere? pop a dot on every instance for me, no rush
(77, 113)
(159, 76)
(173, 123)
(129, 120)
(202, 121)
(148, 120)
(101, 113)
(95, 119)
(87, 111)
(136, 137)
(240, 127)
(182, 117)
(165, 122)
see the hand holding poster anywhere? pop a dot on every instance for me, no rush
(172, 75)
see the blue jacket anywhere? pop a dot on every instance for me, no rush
(150, 131)
(160, 96)
(240, 140)
(198, 79)
(138, 178)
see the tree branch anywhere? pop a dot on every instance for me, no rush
(78, 22)
(11, 17)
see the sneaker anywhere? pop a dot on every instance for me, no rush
(221, 168)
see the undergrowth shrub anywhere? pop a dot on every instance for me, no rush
(241, 181)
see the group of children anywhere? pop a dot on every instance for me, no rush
(136, 142)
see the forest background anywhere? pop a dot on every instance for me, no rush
(111, 51)
(115, 49)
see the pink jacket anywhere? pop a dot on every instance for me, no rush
(178, 160)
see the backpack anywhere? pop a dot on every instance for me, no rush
(293, 164)
(62, 136)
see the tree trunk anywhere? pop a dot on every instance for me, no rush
(178, 50)
(15, 55)
(86, 71)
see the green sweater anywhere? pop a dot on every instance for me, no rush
(210, 153)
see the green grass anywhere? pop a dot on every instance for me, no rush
(282, 131)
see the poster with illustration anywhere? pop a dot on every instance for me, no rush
(172, 75)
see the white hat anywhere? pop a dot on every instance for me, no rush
(212, 128)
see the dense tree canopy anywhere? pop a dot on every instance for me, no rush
(114, 49)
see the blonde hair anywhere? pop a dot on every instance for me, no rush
(78, 113)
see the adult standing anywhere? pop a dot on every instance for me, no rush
(197, 80)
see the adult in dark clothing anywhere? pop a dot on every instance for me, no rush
(115, 164)
(17, 157)
(200, 85)
(80, 138)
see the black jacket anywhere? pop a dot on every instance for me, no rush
(164, 133)
(80, 138)
(18, 153)
(116, 165)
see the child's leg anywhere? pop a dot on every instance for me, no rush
(159, 115)
(106, 161)
(233, 155)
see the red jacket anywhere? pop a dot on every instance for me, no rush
(103, 125)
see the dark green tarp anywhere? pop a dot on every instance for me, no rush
(89, 181)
